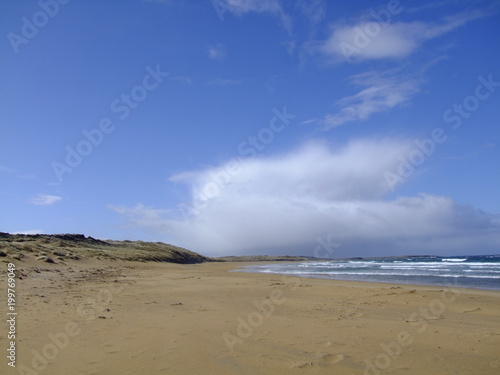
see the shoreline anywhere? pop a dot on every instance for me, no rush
(373, 282)
(115, 317)
(366, 284)
(254, 268)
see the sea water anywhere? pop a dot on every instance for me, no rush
(477, 271)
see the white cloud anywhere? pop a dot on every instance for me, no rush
(281, 205)
(365, 40)
(381, 92)
(371, 39)
(44, 199)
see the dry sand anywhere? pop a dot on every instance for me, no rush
(111, 317)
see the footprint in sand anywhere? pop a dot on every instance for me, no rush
(332, 358)
(495, 364)
(301, 364)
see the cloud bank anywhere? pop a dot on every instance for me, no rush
(316, 194)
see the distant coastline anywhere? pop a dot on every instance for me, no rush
(56, 247)
(53, 248)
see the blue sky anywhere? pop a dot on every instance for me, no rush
(254, 127)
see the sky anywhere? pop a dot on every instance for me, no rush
(229, 127)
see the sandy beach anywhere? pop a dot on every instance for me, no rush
(97, 317)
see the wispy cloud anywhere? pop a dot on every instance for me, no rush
(44, 199)
(224, 82)
(282, 204)
(368, 39)
(240, 7)
(313, 10)
(417, 7)
(150, 218)
(27, 176)
(181, 79)
(244, 6)
(217, 52)
(380, 92)
(168, 2)
(5, 169)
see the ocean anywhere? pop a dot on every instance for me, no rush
(480, 272)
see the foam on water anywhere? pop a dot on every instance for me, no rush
(481, 272)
